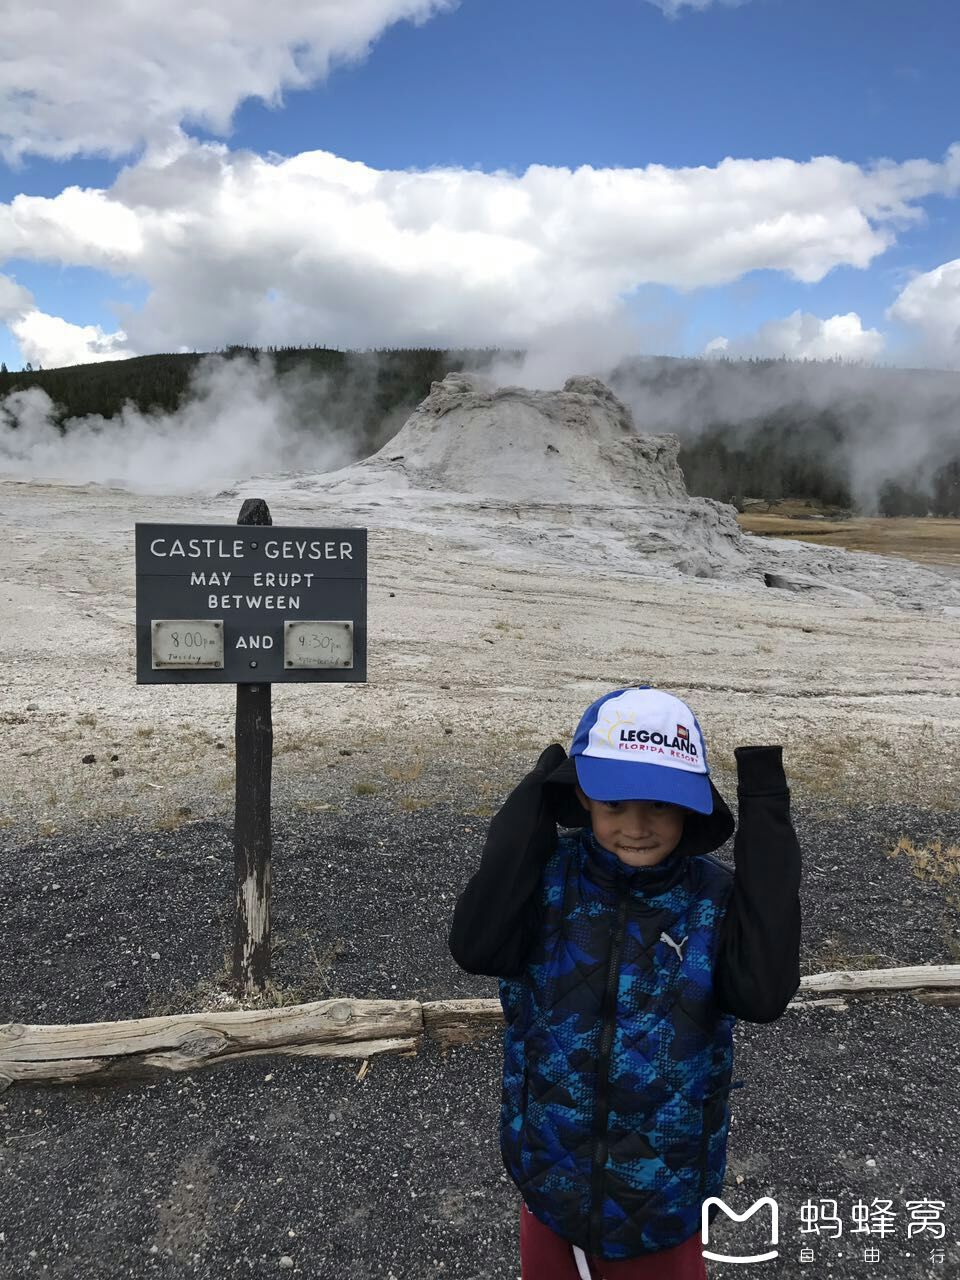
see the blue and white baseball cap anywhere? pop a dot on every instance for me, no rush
(642, 744)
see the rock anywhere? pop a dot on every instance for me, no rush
(570, 478)
(90, 759)
(286, 1262)
(537, 446)
(118, 772)
(33, 706)
(802, 585)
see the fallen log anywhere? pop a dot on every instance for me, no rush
(455, 1022)
(908, 978)
(95, 1052)
(947, 999)
(828, 1002)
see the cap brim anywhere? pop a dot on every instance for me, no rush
(629, 780)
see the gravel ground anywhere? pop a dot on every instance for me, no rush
(237, 1169)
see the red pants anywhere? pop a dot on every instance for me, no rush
(546, 1256)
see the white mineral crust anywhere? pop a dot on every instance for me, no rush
(528, 551)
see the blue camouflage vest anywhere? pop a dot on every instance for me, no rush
(617, 1064)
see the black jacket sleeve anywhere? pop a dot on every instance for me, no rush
(758, 962)
(497, 916)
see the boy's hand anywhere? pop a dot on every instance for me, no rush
(496, 919)
(551, 758)
(530, 793)
(758, 959)
(760, 769)
(560, 777)
(527, 820)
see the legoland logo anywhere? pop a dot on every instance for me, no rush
(679, 742)
(740, 1217)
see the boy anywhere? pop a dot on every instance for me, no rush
(625, 955)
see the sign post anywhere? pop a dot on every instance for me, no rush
(251, 604)
(251, 824)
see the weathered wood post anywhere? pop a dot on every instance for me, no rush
(251, 830)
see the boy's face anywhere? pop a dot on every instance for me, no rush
(640, 832)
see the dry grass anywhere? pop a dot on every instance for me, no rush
(936, 861)
(940, 864)
(174, 821)
(505, 626)
(219, 991)
(409, 804)
(365, 789)
(406, 772)
(830, 959)
(830, 767)
(839, 768)
(928, 540)
(315, 986)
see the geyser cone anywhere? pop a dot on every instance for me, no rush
(578, 444)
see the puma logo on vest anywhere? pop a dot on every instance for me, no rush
(665, 937)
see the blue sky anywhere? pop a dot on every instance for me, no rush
(506, 85)
(490, 86)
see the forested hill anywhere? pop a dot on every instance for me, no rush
(876, 440)
(368, 393)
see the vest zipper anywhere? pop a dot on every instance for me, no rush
(602, 1100)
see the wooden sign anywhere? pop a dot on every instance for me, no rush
(250, 604)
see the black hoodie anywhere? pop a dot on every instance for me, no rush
(497, 916)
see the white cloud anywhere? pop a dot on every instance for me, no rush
(802, 336)
(14, 299)
(673, 7)
(99, 76)
(235, 247)
(51, 341)
(930, 304)
(717, 347)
